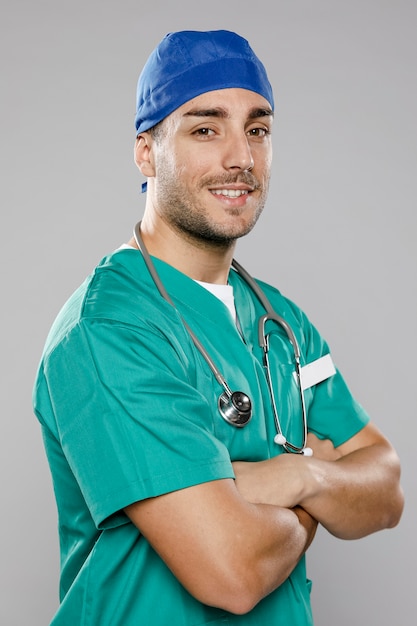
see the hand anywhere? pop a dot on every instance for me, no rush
(282, 481)
(309, 523)
(285, 480)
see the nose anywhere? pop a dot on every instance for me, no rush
(238, 154)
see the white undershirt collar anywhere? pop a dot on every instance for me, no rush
(222, 292)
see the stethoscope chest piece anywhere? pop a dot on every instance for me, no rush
(235, 408)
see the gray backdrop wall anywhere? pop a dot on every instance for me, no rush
(338, 235)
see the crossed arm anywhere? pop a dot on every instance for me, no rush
(352, 490)
(230, 543)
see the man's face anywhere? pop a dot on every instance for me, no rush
(212, 165)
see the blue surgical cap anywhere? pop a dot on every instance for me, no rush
(187, 64)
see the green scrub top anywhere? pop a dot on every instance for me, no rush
(128, 408)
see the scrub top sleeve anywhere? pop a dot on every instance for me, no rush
(131, 424)
(333, 412)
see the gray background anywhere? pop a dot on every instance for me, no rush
(338, 236)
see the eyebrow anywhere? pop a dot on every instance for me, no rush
(221, 113)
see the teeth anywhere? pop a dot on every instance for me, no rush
(230, 193)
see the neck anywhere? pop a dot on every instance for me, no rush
(203, 262)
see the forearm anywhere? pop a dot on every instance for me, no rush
(358, 494)
(352, 491)
(226, 551)
(282, 538)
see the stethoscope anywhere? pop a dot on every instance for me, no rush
(235, 406)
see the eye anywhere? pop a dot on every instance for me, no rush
(204, 132)
(258, 132)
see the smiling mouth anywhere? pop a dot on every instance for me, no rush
(230, 193)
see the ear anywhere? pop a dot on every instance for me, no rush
(143, 154)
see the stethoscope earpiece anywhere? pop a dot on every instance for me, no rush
(235, 408)
(280, 440)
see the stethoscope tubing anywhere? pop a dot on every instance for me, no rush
(163, 292)
(262, 340)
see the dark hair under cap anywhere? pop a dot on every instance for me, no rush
(187, 64)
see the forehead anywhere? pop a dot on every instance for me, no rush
(227, 103)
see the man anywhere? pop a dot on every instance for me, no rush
(177, 507)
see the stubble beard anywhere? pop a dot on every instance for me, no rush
(189, 217)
